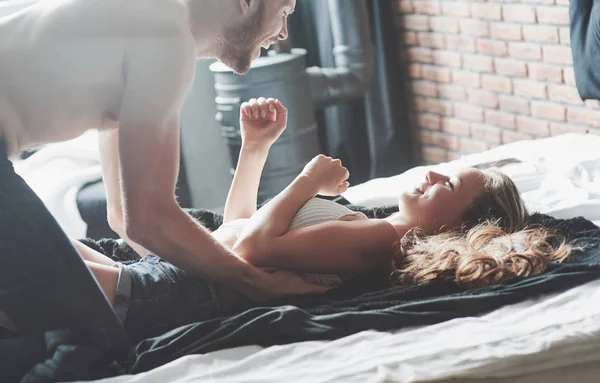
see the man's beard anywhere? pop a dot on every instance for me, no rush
(238, 45)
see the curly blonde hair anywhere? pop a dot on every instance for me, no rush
(491, 246)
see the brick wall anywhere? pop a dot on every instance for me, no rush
(489, 72)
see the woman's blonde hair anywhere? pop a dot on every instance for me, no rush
(492, 245)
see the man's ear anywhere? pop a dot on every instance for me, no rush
(245, 6)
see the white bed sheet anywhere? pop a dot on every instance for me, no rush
(558, 176)
(57, 172)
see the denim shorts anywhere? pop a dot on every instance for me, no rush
(154, 296)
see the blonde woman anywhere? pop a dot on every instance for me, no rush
(441, 231)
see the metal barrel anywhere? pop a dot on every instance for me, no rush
(282, 76)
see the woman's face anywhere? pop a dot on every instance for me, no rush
(441, 200)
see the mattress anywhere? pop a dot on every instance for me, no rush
(550, 338)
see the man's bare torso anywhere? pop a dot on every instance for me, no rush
(63, 64)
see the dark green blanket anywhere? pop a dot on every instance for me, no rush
(365, 304)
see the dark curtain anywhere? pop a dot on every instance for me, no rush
(371, 135)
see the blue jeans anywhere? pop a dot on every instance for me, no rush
(158, 297)
(44, 283)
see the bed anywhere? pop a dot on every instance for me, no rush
(549, 338)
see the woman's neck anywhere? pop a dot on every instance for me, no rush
(400, 224)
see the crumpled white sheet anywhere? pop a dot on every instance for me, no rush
(559, 176)
(535, 335)
(57, 172)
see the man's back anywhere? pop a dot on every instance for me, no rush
(63, 64)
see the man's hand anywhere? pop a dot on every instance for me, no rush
(281, 284)
(328, 175)
(262, 121)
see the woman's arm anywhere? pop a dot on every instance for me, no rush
(332, 247)
(322, 174)
(261, 122)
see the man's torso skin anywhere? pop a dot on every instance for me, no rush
(63, 64)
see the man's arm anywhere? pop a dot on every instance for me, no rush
(108, 141)
(159, 71)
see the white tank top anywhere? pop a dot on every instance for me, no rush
(313, 212)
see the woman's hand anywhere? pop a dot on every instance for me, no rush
(262, 121)
(328, 175)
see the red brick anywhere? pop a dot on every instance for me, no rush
(492, 47)
(541, 34)
(418, 54)
(452, 92)
(434, 105)
(425, 88)
(432, 40)
(478, 63)
(486, 133)
(511, 68)
(468, 112)
(444, 140)
(506, 31)
(527, 88)
(447, 58)
(548, 111)
(460, 43)
(569, 76)
(416, 22)
(486, 11)
(498, 84)
(466, 78)
(429, 121)
(424, 136)
(436, 73)
(553, 15)
(455, 126)
(519, 13)
(544, 72)
(433, 155)
(509, 136)
(564, 93)
(536, 1)
(474, 27)
(500, 119)
(468, 146)
(419, 104)
(427, 7)
(525, 51)
(514, 104)
(565, 36)
(483, 98)
(533, 126)
(557, 54)
(584, 116)
(443, 24)
(557, 128)
(405, 6)
(410, 38)
(415, 71)
(456, 8)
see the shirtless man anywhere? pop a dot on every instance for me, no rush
(123, 68)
